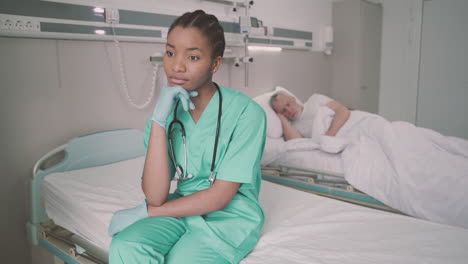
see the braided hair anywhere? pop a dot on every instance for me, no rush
(208, 25)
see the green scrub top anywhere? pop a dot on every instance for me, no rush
(233, 231)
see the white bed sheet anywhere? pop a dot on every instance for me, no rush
(314, 160)
(300, 227)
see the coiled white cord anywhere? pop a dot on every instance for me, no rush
(123, 77)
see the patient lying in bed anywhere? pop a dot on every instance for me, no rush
(416, 170)
(297, 119)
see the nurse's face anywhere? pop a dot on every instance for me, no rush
(287, 106)
(188, 61)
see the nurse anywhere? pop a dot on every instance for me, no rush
(203, 221)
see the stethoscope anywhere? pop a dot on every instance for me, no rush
(181, 174)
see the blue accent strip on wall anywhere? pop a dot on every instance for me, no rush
(230, 27)
(161, 20)
(83, 29)
(289, 33)
(145, 19)
(138, 32)
(282, 42)
(45, 9)
(36, 8)
(259, 41)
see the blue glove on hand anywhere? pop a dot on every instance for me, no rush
(124, 218)
(167, 98)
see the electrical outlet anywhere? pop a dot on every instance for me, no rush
(19, 25)
(32, 26)
(9, 23)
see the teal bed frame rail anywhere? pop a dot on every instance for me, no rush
(82, 152)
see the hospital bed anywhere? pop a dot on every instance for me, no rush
(323, 183)
(304, 166)
(76, 188)
(318, 172)
(415, 170)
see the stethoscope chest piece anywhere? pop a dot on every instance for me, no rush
(212, 177)
(180, 174)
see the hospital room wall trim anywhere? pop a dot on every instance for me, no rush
(282, 42)
(84, 29)
(49, 10)
(72, 14)
(288, 33)
(259, 40)
(272, 41)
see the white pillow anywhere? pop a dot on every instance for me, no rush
(274, 129)
(279, 89)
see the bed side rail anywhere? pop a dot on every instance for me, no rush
(82, 152)
(332, 186)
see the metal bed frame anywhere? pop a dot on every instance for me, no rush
(117, 145)
(82, 152)
(322, 183)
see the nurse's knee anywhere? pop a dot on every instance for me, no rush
(148, 239)
(119, 248)
(117, 245)
(123, 251)
(124, 244)
(127, 240)
(120, 244)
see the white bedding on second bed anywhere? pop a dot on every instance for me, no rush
(313, 160)
(300, 227)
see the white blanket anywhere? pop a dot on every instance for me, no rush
(415, 170)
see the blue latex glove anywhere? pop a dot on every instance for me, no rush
(167, 98)
(124, 218)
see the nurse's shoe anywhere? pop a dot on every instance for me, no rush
(123, 218)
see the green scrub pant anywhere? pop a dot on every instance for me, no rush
(161, 240)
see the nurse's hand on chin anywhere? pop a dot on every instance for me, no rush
(168, 97)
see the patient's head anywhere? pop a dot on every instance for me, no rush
(286, 105)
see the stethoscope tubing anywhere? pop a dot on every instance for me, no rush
(181, 174)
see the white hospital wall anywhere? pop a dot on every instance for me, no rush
(401, 30)
(54, 90)
(355, 58)
(346, 53)
(423, 69)
(399, 56)
(304, 73)
(443, 85)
